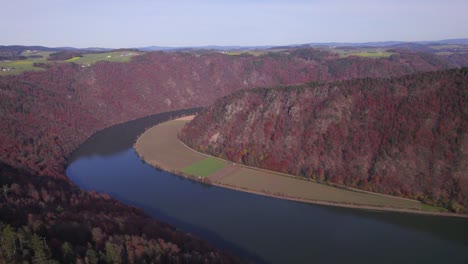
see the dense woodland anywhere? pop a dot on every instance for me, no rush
(402, 136)
(46, 115)
(48, 219)
(64, 55)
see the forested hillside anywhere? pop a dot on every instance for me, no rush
(85, 227)
(45, 115)
(403, 136)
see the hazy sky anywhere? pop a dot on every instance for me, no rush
(137, 23)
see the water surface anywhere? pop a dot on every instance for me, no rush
(261, 228)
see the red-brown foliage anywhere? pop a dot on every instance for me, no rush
(89, 221)
(46, 115)
(403, 136)
(63, 55)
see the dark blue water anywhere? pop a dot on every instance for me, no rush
(262, 228)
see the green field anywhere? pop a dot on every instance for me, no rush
(430, 208)
(19, 66)
(160, 147)
(241, 52)
(204, 167)
(24, 65)
(115, 56)
(366, 52)
(371, 54)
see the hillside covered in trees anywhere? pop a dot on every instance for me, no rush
(45, 115)
(85, 227)
(402, 136)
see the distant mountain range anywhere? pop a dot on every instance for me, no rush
(392, 43)
(21, 48)
(461, 41)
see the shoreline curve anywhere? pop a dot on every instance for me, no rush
(160, 147)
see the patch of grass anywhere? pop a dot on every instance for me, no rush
(44, 54)
(444, 53)
(160, 147)
(371, 54)
(204, 167)
(73, 59)
(19, 66)
(250, 52)
(430, 208)
(115, 56)
(366, 52)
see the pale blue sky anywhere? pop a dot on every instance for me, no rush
(137, 23)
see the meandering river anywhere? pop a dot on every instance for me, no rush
(263, 229)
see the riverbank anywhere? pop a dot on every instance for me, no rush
(160, 147)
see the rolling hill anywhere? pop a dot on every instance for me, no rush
(45, 115)
(402, 136)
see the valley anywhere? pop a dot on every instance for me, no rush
(160, 147)
(49, 113)
(250, 225)
(229, 132)
(401, 136)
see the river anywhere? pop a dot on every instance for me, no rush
(263, 229)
